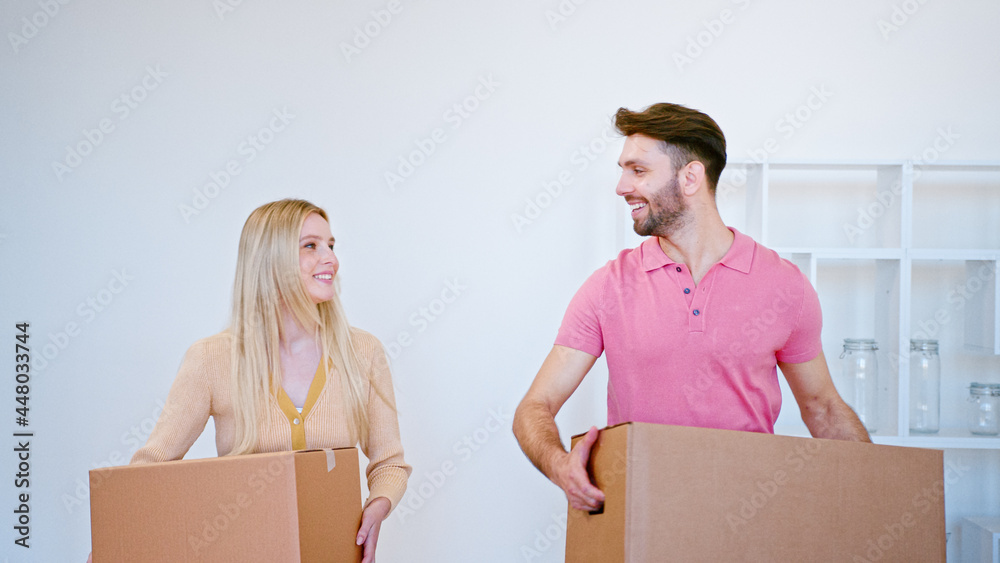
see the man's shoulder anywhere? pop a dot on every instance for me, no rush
(618, 271)
(770, 275)
(629, 260)
(767, 261)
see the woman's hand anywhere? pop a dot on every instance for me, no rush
(371, 521)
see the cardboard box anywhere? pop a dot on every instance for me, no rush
(676, 493)
(276, 507)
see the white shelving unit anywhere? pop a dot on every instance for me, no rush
(896, 251)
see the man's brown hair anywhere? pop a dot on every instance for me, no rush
(686, 134)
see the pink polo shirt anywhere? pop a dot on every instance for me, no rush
(689, 355)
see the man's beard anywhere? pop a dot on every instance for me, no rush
(666, 212)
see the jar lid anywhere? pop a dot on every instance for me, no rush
(923, 345)
(986, 389)
(860, 344)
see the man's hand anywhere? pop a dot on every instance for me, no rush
(570, 473)
(371, 522)
(536, 432)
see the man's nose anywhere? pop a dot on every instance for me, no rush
(624, 186)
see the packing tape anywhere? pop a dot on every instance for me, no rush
(331, 460)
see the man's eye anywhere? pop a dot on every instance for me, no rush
(331, 247)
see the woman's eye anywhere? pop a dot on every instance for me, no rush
(310, 245)
(331, 247)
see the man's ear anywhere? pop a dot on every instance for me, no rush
(692, 177)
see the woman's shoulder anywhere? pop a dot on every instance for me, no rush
(217, 345)
(363, 338)
(365, 343)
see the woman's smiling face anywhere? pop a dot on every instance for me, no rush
(317, 262)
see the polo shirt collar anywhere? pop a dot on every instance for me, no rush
(740, 254)
(653, 257)
(739, 257)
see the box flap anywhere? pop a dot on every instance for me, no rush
(329, 507)
(331, 455)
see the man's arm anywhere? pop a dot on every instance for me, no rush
(823, 410)
(536, 431)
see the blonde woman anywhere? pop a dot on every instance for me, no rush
(289, 373)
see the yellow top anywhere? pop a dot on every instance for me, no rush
(202, 389)
(295, 418)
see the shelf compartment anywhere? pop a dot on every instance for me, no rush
(950, 303)
(945, 439)
(740, 195)
(982, 317)
(963, 288)
(853, 206)
(844, 253)
(941, 206)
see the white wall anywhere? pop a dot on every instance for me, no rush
(553, 86)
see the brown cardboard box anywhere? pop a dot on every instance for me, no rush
(675, 493)
(276, 507)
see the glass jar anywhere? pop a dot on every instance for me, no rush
(860, 380)
(925, 386)
(985, 400)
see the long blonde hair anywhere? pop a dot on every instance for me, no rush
(267, 279)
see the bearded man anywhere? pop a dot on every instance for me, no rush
(694, 321)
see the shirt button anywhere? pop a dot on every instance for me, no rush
(697, 312)
(296, 421)
(678, 268)
(687, 290)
